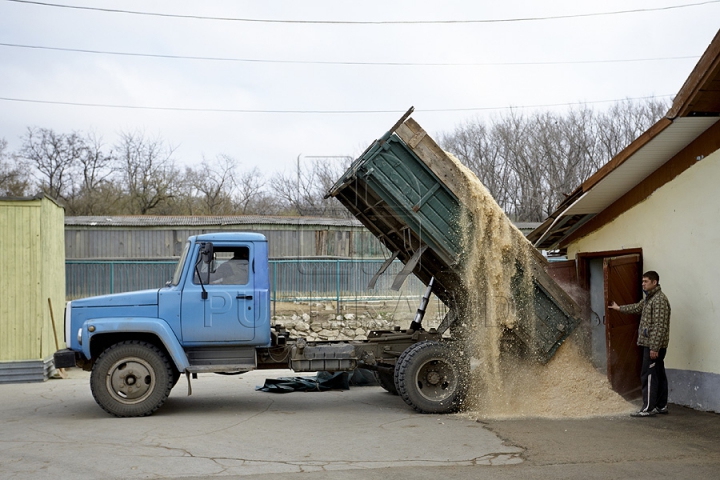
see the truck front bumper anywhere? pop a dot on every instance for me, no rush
(65, 358)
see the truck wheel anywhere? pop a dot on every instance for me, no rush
(386, 381)
(175, 377)
(131, 379)
(431, 377)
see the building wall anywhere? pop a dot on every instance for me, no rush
(32, 269)
(678, 230)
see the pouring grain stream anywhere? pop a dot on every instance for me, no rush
(504, 386)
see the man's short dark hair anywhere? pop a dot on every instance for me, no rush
(652, 275)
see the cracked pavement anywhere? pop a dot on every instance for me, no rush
(228, 429)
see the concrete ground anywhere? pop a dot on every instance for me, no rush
(226, 429)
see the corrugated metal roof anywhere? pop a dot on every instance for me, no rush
(182, 221)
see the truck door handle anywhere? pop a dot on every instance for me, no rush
(244, 297)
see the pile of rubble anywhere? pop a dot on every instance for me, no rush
(321, 327)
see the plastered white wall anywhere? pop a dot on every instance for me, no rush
(678, 229)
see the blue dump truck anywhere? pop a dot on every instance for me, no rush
(214, 316)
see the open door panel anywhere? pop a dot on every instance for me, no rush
(624, 358)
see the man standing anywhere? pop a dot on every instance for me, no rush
(653, 337)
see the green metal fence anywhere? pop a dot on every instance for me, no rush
(291, 280)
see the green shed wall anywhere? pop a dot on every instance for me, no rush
(32, 269)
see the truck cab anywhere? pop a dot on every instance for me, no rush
(211, 316)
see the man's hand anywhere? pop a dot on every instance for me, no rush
(614, 306)
(653, 355)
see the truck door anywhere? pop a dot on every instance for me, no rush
(228, 313)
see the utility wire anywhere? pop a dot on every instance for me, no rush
(318, 112)
(367, 22)
(321, 62)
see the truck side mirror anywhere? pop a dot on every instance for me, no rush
(206, 251)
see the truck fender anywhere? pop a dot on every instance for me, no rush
(155, 326)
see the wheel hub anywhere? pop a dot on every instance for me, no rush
(436, 380)
(433, 378)
(130, 380)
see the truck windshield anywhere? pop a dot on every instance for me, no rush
(181, 262)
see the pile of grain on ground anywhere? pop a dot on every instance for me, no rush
(567, 387)
(504, 386)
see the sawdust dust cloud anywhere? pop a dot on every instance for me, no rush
(502, 385)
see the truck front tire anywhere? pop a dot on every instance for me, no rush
(432, 377)
(131, 379)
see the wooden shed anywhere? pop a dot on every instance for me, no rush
(654, 206)
(32, 270)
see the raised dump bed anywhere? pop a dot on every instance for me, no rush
(406, 190)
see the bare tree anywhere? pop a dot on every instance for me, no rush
(93, 192)
(213, 185)
(624, 121)
(529, 163)
(288, 190)
(150, 178)
(15, 178)
(476, 146)
(53, 155)
(94, 163)
(249, 197)
(304, 191)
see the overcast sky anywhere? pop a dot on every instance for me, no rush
(543, 58)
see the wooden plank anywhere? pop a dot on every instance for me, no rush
(61, 371)
(433, 156)
(705, 72)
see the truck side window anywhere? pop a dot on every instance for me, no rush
(229, 266)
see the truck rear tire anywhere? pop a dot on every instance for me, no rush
(432, 377)
(131, 379)
(386, 381)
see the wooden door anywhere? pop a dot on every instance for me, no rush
(624, 358)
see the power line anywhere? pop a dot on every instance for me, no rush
(321, 62)
(367, 22)
(318, 112)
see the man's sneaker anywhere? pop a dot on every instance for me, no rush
(661, 411)
(643, 413)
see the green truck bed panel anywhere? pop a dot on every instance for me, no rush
(401, 189)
